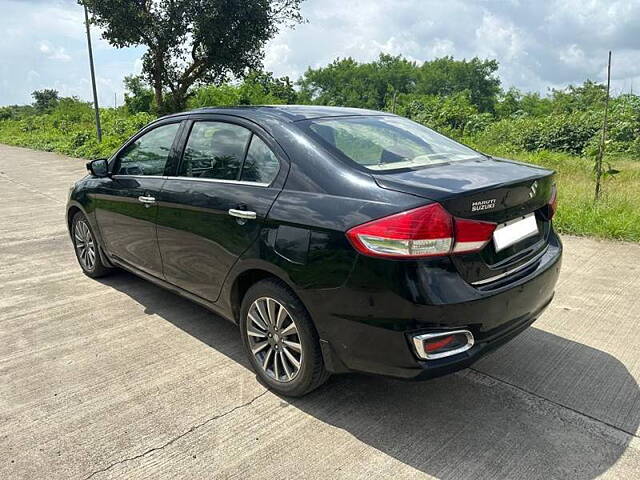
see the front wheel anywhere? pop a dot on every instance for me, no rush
(86, 247)
(280, 339)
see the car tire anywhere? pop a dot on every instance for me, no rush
(87, 248)
(283, 347)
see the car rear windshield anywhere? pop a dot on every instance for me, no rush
(388, 143)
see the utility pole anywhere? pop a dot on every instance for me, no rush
(93, 76)
(604, 132)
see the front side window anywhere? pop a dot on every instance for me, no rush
(215, 150)
(387, 143)
(148, 154)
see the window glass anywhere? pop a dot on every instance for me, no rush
(261, 164)
(215, 150)
(385, 143)
(148, 154)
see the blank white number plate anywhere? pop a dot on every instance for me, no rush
(512, 232)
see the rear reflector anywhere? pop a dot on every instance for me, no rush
(437, 344)
(422, 232)
(431, 346)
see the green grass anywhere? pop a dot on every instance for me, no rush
(615, 216)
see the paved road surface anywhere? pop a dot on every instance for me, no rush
(120, 379)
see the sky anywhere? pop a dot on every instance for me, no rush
(539, 44)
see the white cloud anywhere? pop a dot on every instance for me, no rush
(538, 44)
(44, 46)
(54, 53)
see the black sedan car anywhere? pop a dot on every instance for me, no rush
(337, 239)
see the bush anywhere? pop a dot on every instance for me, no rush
(455, 114)
(69, 128)
(569, 133)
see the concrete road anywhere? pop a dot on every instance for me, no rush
(120, 379)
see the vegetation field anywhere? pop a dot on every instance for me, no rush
(615, 216)
(462, 99)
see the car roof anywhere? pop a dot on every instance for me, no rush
(285, 113)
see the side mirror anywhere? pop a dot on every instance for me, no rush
(99, 167)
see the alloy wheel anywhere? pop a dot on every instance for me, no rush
(274, 340)
(85, 246)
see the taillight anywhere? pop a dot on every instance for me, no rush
(422, 232)
(472, 235)
(552, 205)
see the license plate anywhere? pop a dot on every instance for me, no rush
(512, 232)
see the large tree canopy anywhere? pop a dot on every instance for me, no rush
(192, 41)
(446, 76)
(365, 85)
(374, 84)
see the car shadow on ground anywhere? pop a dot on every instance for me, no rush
(466, 425)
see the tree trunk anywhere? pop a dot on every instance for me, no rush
(157, 69)
(179, 103)
(157, 89)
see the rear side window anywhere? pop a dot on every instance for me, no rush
(224, 151)
(215, 150)
(261, 164)
(148, 154)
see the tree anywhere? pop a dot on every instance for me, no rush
(192, 41)
(534, 105)
(514, 103)
(279, 88)
(445, 76)
(346, 82)
(373, 85)
(139, 97)
(509, 103)
(258, 88)
(590, 95)
(45, 100)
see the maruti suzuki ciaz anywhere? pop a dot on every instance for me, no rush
(337, 239)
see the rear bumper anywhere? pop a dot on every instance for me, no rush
(367, 325)
(436, 368)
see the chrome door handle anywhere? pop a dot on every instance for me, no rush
(148, 201)
(246, 214)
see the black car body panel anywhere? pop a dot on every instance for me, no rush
(365, 309)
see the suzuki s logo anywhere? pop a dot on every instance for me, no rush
(534, 189)
(483, 205)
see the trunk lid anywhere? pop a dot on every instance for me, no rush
(487, 189)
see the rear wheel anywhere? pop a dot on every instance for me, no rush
(86, 247)
(280, 339)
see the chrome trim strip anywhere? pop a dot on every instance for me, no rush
(216, 180)
(513, 270)
(419, 345)
(196, 179)
(139, 176)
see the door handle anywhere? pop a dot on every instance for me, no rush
(148, 201)
(245, 214)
